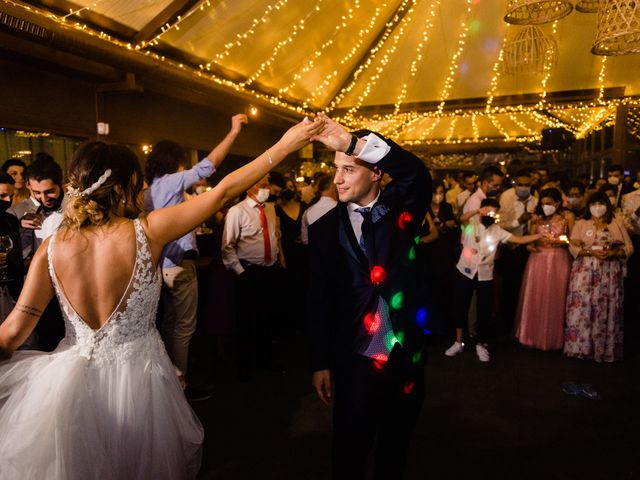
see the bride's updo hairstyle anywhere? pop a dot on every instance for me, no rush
(104, 179)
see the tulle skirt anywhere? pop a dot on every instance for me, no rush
(67, 415)
(541, 310)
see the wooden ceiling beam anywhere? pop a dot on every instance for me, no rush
(89, 17)
(167, 16)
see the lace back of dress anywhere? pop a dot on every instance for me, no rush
(133, 317)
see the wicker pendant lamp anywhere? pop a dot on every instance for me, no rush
(618, 28)
(587, 6)
(536, 12)
(527, 50)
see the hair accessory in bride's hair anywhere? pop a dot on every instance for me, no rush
(75, 192)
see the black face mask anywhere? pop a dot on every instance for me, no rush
(272, 198)
(487, 221)
(4, 204)
(493, 192)
(287, 195)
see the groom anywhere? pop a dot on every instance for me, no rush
(366, 320)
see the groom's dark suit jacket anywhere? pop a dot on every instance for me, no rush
(341, 290)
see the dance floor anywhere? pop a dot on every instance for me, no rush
(508, 419)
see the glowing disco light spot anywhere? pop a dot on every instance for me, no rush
(404, 219)
(416, 240)
(397, 300)
(468, 229)
(467, 253)
(379, 361)
(412, 254)
(378, 274)
(417, 357)
(372, 322)
(464, 69)
(408, 387)
(474, 26)
(399, 338)
(422, 318)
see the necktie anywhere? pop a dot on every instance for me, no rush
(366, 224)
(265, 235)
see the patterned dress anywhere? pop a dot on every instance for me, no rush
(594, 305)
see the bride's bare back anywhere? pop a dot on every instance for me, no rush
(94, 267)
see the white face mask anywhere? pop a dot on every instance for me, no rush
(614, 180)
(437, 198)
(523, 192)
(263, 195)
(548, 210)
(598, 210)
(574, 201)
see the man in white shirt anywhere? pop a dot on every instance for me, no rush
(328, 199)
(480, 240)
(516, 207)
(490, 184)
(251, 250)
(469, 180)
(453, 189)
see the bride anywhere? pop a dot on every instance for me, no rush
(107, 403)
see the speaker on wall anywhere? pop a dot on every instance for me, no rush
(556, 139)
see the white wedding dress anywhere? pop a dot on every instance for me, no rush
(106, 404)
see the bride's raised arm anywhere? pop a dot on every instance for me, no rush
(36, 294)
(167, 224)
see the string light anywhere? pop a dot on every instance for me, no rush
(390, 26)
(413, 69)
(601, 77)
(175, 25)
(493, 85)
(548, 67)
(281, 44)
(453, 66)
(386, 56)
(342, 24)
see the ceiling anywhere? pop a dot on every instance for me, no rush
(421, 71)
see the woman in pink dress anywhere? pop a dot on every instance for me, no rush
(601, 246)
(541, 310)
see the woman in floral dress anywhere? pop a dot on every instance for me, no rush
(601, 246)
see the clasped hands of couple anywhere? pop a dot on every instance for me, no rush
(321, 129)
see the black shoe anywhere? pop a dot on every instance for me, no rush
(198, 394)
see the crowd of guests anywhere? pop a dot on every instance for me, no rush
(547, 257)
(543, 257)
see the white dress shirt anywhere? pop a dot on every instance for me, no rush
(479, 247)
(313, 213)
(462, 198)
(512, 208)
(242, 237)
(631, 203)
(474, 201)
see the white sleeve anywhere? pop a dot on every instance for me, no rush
(304, 228)
(230, 236)
(374, 150)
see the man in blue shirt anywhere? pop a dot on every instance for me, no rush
(168, 178)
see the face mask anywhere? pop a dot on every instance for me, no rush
(523, 192)
(574, 201)
(597, 211)
(437, 198)
(263, 195)
(614, 180)
(487, 221)
(548, 210)
(287, 194)
(4, 204)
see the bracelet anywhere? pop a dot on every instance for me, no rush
(269, 155)
(352, 145)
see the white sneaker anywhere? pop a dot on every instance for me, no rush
(454, 349)
(483, 353)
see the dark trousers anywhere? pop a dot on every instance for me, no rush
(257, 321)
(464, 288)
(511, 266)
(375, 409)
